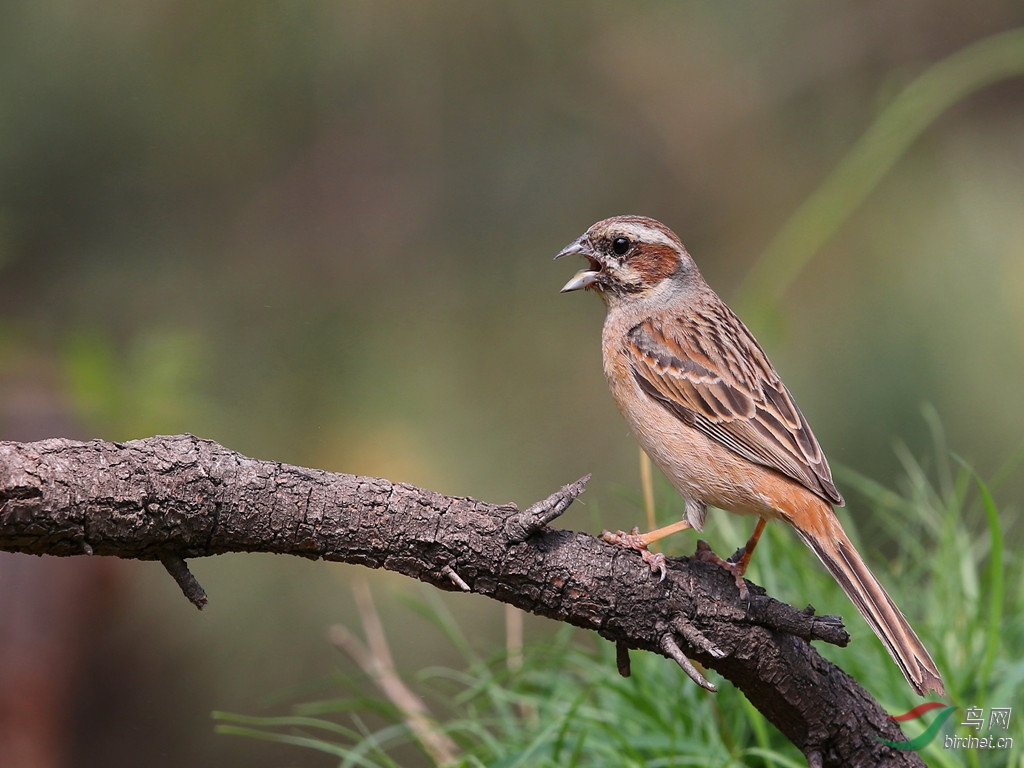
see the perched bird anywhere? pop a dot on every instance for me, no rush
(706, 405)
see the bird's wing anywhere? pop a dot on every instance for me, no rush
(708, 371)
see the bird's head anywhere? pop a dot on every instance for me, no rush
(629, 256)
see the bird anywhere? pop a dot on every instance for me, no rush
(705, 404)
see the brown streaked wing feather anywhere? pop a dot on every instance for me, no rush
(708, 371)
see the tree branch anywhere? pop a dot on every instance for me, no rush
(179, 497)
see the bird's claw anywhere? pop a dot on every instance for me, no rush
(656, 561)
(733, 565)
(635, 540)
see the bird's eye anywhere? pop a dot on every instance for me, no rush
(620, 245)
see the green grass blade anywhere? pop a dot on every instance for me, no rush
(996, 584)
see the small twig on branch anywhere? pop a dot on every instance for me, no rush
(695, 638)
(804, 624)
(523, 525)
(178, 568)
(456, 579)
(622, 659)
(674, 652)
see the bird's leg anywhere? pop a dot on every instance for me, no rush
(640, 541)
(742, 555)
(737, 564)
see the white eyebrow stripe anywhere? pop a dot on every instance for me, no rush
(647, 234)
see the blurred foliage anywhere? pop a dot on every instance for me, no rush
(940, 87)
(154, 385)
(321, 233)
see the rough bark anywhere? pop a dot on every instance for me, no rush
(179, 497)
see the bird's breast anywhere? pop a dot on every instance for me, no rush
(699, 468)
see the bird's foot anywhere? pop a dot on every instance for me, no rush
(635, 540)
(736, 565)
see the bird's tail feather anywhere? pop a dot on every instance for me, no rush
(835, 550)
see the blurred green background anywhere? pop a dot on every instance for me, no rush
(322, 233)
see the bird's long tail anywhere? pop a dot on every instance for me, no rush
(832, 546)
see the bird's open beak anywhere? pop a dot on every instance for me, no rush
(585, 277)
